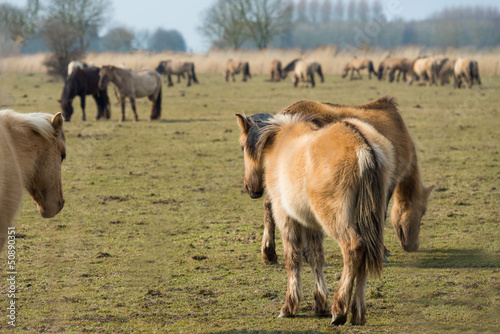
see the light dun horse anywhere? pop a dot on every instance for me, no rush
(177, 67)
(410, 194)
(31, 152)
(358, 64)
(236, 67)
(275, 70)
(332, 180)
(145, 83)
(303, 72)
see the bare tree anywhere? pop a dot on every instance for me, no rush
(351, 10)
(326, 11)
(301, 11)
(222, 25)
(339, 10)
(264, 19)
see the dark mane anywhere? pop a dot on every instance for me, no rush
(291, 65)
(258, 121)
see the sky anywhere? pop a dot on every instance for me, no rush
(184, 15)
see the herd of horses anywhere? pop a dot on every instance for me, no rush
(423, 68)
(327, 168)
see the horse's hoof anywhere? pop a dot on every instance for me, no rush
(339, 319)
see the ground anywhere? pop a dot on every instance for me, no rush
(157, 234)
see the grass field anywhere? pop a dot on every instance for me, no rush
(157, 234)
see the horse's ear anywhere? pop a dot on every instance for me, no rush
(57, 122)
(428, 191)
(243, 124)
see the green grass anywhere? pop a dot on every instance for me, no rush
(157, 234)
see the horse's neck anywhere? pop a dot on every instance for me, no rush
(120, 77)
(26, 149)
(410, 188)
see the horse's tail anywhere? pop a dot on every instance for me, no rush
(156, 111)
(320, 73)
(246, 70)
(372, 69)
(193, 74)
(371, 205)
(380, 70)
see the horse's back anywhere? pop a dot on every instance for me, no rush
(146, 82)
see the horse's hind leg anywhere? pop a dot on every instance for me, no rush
(132, 102)
(189, 80)
(358, 308)
(292, 236)
(314, 255)
(353, 249)
(268, 242)
(122, 101)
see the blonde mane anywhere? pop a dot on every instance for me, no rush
(38, 122)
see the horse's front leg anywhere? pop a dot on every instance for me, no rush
(268, 242)
(189, 80)
(132, 103)
(314, 255)
(82, 104)
(179, 78)
(353, 251)
(170, 83)
(292, 236)
(359, 74)
(122, 102)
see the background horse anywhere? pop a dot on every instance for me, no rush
(424, 69)
(276, 70)
(410, 194)
(170, 67)
(31, 153)
(332, 180)
(468, 70)
(301, 72)
(358, 64)
(75, 64)
(145, 83)
(237, 67)
(84, 82)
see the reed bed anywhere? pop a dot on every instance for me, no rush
(331, 57)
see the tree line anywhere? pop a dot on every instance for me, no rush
(308, 24)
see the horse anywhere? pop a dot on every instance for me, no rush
(390, 65)
(467, 69)
(178, 67)
(446, 71)
(424, 68)
(276, 70)
(359, 64)
(32, 150)
(301, 71)
(80, 83)
(332, 179)
(237, 67)
(75, 64)
(410, 194)
(145, 83)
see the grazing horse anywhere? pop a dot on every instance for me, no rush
(84, 82)
(410, 194)
(276, 70)
(389, 66)
(32, 150)
(447, 70)
(424, 69)
(178, 67)
(237, 67)
(467, 69)
(358, 64)
(145, 83)
(301, 72)
(333, 179)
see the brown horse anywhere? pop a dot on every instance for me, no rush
(468, 70)
(237, 67)
(424, 69)
(276, 70)
(178, 67)
(302, 71)
(389, 66)
(80, 83)
(332, 180)
(410, 194)
(447, 70)
(358, 64)
(145, 83)
(32, 150)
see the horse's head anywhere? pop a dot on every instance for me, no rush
(67, 108)
(45, 185)
(254, 166)
(105, 74)
(406, 216)
(345, 71)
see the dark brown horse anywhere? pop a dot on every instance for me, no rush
(84, 82)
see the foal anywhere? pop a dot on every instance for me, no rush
(331, 180)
